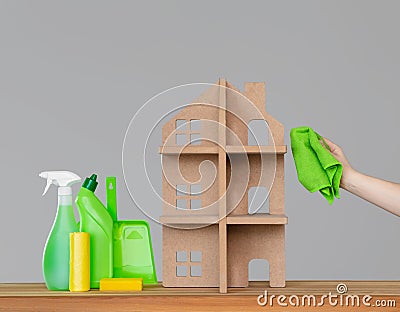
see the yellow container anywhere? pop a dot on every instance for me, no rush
(79, 263)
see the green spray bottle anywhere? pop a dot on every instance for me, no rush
(56, 251)
(95, 219)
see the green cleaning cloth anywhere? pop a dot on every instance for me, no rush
(316, 168)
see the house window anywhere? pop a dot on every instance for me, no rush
(188, 197)
(195, 256)
(188, 131)
(181, 271)
(181, 256)
(258, 200)
(180, 139)
(180, 125)
(195, 270)
(258, 132)
(188, 264)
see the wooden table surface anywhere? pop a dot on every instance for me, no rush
(35, 297)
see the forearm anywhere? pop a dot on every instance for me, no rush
(378, 192)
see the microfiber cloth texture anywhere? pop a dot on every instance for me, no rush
(316, 168)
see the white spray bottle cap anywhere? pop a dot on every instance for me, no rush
(62, 179)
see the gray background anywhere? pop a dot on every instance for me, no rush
(73, 73)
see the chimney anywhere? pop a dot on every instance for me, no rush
(255, 92)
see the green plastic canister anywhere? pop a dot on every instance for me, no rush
(96, 220)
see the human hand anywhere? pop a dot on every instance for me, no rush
(338, 153)
(379, 192)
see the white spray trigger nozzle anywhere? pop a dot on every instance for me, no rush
(47, 186)
(59, 178)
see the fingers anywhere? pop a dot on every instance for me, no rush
(332, 146)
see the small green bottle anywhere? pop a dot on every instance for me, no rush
(56, 251)
(96, 220)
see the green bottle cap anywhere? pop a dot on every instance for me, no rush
(90, 183)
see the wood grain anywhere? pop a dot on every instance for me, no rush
(317, 287)
(35, 297)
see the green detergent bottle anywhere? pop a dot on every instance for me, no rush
(96, 220)
(56, 251)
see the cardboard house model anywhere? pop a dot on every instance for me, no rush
(210, 167)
